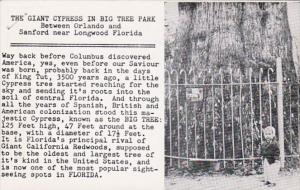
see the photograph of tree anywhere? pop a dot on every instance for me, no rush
(232, 95)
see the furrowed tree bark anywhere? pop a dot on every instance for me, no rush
(244, 35)
(218, 40)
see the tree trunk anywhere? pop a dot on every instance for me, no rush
(243, 35)
(221, 42)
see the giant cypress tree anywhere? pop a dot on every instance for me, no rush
(228, 38)
(246, 34)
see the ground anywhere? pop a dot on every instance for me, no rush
(286, 181)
